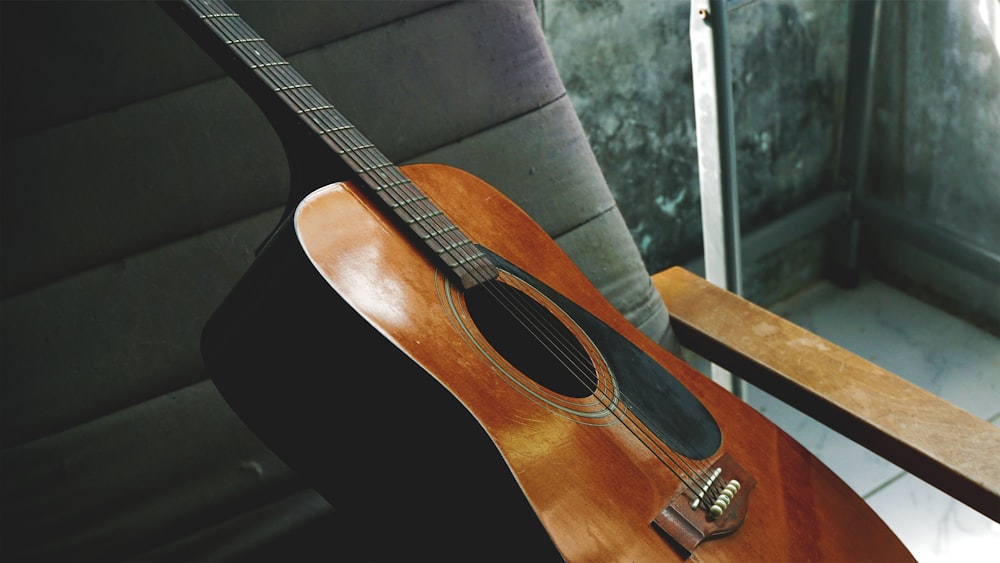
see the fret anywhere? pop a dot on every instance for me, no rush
(408, 195)
(405, 199)
(244, 41)
(307, 103)
(371, 160)
(337, 129)
(269, 65)
(446, 252)
(407, 202)
(269, 61)
(251, 48)
(478, 254)
(293, 87)
(438, 238)
(371, 166)
(411, 209)
(466, 258)
(229, 24)
(365, 152)
(471, 257)
(389, 187)
(423, 218)
(397, 183)
(216, 16)
(355, 142)
(256, 63)
(443, 231)
(368, 155)
(374, 167)
(310, 110)
(355, 149)
(231, 36)
(296, 91)
(333, 126)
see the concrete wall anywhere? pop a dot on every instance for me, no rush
(935, 152)
(935, 132)
(627, 66)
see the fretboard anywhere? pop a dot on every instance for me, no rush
(375, 173)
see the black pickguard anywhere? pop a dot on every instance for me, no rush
(668, 408)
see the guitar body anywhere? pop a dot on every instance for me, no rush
(381, 382)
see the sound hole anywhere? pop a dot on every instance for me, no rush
(532, 339)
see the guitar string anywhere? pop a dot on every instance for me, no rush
(299, 91)
(579, 363)
(297, 86)
(560, 351)
(583, 364)
(415, 208)
(302, 94)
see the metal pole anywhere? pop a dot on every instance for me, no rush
(713, 105)
(845, 264)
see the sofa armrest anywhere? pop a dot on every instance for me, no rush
(931, 438)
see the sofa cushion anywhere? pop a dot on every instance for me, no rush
(137, 183)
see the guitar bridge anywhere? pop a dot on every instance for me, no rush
(710, 509)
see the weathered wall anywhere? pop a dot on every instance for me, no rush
(627, 66)
(935, 152)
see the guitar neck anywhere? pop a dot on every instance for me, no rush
(288, 98)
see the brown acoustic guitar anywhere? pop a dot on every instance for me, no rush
(425, 355)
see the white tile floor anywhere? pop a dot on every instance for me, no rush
(946, 356)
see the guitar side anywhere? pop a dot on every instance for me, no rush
(446, 474)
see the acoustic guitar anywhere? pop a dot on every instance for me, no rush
(424, 354)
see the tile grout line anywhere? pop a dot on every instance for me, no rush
(884, 485)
